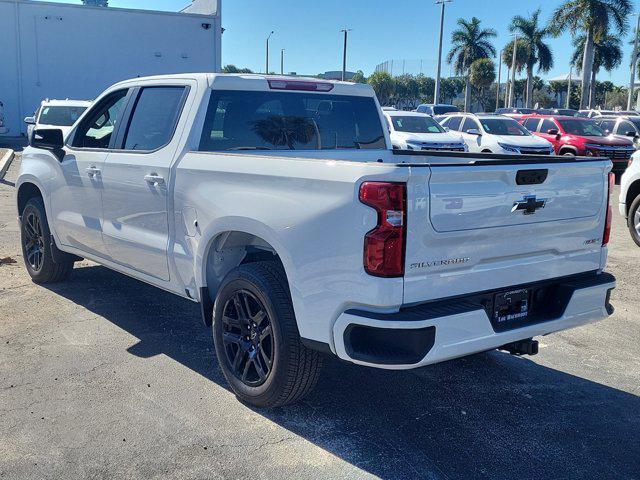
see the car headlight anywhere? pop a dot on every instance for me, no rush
(509, 148)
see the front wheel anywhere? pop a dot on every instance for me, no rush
(256, 338)
(633, 221)
(37, 243)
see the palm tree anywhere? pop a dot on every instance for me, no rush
(538, 52)
(607, 54)
(594, 18)
(470, 43)
(482, 75)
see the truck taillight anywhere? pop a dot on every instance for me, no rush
(384, 245)
(607, 223)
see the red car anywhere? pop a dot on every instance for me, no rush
(580, 136)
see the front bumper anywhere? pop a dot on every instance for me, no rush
(438, 331)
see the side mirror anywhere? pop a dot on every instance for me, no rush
(630, 133)
(49, 139)
(474, 131)
(446, 129)
(553, 131)
(30, 120)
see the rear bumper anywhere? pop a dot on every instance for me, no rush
(438, 331)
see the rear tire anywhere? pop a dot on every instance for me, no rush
(36, 245)
(256, 338)
(633, 220)
(568, 153)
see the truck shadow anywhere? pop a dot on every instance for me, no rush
(487, 416)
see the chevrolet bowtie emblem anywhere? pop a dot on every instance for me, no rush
(528, 205)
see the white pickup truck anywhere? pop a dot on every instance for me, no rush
(279, 205)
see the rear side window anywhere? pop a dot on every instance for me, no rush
(245, 120)
(154, 118)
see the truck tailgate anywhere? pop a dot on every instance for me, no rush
(488, 225)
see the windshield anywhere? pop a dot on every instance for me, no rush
(503, 126)
(254, 120)
(416, 124)
(442, 109)
(61, 115)
(587, 128)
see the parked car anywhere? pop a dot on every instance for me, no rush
(629, 201)
(496, 134)
(575, 136)
(3, 128)
(60, 114)
(419, 131)
(279, 205)
(437, 109)
(510, 112)
(595, 113)
(621, 126)
(567, 112)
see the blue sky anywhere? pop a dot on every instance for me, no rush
(309, 31)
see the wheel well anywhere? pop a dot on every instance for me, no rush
(26, 192)
(568, 149)
(632, 193)
(230, 249)
(486, 150)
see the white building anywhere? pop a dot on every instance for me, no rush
(56, 50)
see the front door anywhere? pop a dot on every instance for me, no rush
(135, 181)
(547, 125)
(76, 195)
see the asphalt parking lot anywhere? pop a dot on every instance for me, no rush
(105, 377)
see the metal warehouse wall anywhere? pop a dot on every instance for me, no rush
(52, 50)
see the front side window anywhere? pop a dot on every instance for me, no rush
(246, 120)
(470, 124)
(60, 115)
(98, 126)
(154, 118)
(503, 126)
(415, 124)
(547, 124)
(607, 125)
(625, 127)
(582, 127)
(454, 123)
(531, 124)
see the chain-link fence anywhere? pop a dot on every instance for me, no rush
(420, 66)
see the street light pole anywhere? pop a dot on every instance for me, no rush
(499, 74)
(513, 70)
(266, 68)
(344, 53)
(569, 85)
(282, 61)
(436, 93)
(634, 60)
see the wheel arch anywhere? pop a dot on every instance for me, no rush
(230, 247)
(632, 192)
(568, 148)
(26, 190)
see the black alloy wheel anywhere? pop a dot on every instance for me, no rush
(248, 338)
(33, 241)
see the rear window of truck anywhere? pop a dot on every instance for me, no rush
(246, 120)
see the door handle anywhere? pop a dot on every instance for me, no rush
(92, 171)
(154, 179)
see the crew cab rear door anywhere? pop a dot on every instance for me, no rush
(136, 181)
(499, 223)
